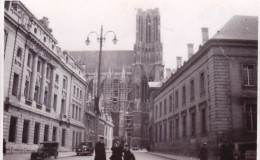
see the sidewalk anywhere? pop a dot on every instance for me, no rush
(27, 156)
(173, 157)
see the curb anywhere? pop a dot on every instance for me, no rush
(161, 156)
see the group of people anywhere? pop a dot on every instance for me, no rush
(120, 151)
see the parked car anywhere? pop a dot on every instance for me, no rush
(136, 148)
(46, 150)
(85, 148)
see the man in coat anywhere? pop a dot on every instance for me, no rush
(128, 155)
(100, 153)
(204, 152)
(117, 150)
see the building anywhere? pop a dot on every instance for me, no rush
(212, 97)
(45, 87)
(125, 75)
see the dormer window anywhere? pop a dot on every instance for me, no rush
(44, 39)
(52, 46)
(35, 30)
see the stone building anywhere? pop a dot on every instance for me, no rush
(125, 75)
(212, 97)
(44, 87)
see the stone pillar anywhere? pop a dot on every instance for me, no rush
(44, 70)
(22, 98)
(33, 78)
(51, 89)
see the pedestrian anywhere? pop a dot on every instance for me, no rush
(128, 155)
(100, 153)
(4, 147)
(223, 152)
(117, 151)
(204, 152)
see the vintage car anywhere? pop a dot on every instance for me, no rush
(46, 150)
(85, 148)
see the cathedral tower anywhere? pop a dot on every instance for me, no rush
(148, 46)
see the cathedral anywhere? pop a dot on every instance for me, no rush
(124, 78)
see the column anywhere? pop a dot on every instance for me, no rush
(22, 98)
(44, 69)
(51, 89)
(33, 78)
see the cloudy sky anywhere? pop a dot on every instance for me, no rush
(181, 21)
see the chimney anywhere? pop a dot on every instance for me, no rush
(190, 50)
(179, 62)
(205, 35)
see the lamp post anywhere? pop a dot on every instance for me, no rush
(100, 39)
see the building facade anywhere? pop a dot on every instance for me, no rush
(45, 87)
(125, 76)
(212, 98)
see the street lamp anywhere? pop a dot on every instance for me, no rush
(100, 39)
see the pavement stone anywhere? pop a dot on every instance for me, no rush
(173, 157)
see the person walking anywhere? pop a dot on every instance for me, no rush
(128, 155)
(117, 150)
(100, 153)
(204, 152)
(4, 147)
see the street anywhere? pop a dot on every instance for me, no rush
(138, 156)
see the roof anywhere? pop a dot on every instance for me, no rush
(239, 28)
(115, 60)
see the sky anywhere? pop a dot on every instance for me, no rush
(181, 21)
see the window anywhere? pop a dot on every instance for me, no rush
(165, 106)
(55, 102)
(192, 90)
(73, 110)
(46, 98)
(15, 85)
(63, 137)
(184, 126)
(25, 131)
(48, 72)
(170, 130)
(36, 133)
(160, 109)
(77, 92)
(176, 99)
(19, 53)
(203, 121)
(202, 83)
(73, 139)
(177, 128)
(26, 89)
(79, 114)
(74, 91)
(36, 93)
(64, 82)
(183, 96)
(193, 123)
(29, 60)
(165, 131)
(62, 106)
(249, 75)
(7, 5)
(39, 66)
(12, 129)
(46, 133)
(160, 133)
(80, 95)
(76, 112)
(156, 112)
(54, 134)
(57, 78)
(5, 39)
(67, 59)
(251, 117)
(170, 103)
